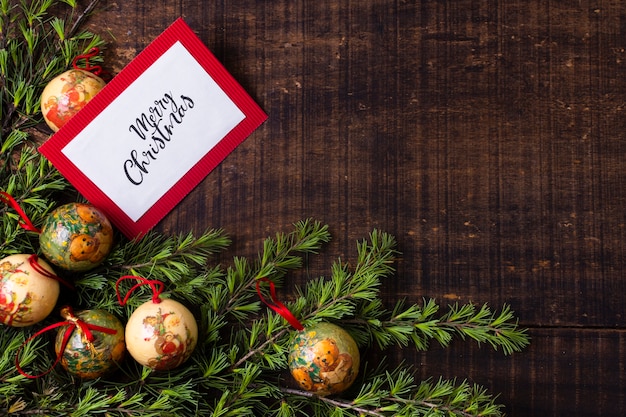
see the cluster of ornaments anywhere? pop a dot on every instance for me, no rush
(160, 334)
(77, 237)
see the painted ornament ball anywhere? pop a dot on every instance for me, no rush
(324, 359)
(66, 94)
(161, 335)
(27, 296)
(90, 360)
(76, 237)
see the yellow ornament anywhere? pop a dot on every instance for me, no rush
(161, 335)
(66, 94)
(28, 294)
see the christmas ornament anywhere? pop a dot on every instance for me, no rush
(66, 94)
(162, 333)
(76, 237)
(85, 332)
(69, 92)
(28, 290)
(86, 356)
(324, 359)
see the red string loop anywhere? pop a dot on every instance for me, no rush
(72, 322)
(156, 286)
(33, 260)
(278, 307)
(25, 223)
(94, 69)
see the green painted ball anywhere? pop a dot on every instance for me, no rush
(76, 237)
(324, 359)
(90, 360)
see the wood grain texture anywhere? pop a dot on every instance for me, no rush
(487, 136)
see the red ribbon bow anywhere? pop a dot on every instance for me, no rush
(277, 306)
(72, 322)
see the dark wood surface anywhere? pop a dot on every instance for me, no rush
(487, 136)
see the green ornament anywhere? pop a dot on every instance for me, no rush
(76, 237)
(90, 359)
(324, 359)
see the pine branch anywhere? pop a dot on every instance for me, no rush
(280, 254)
(171, 256)
(397, 394)
(419, 324)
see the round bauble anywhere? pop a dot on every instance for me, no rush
(27, 295)
(324, 359)
(76, 237)
(92, 359)
(66, 94)
(161, 335)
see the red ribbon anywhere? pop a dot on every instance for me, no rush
(33, 260)
(72, 322)
(157, 288)
(278, 307)
(94, 69)
(25, 223)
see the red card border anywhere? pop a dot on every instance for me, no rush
(179, 31)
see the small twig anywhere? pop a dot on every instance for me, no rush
(337, 403)
(258, 349)
(81, 17)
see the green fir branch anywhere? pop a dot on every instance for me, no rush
(171, 257)
(398, 394)
(419, 324)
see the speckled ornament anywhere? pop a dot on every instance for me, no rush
(161, 335)
(27, 296)
(76, 237)
(66, 94)
(91, 359)
(324, 359)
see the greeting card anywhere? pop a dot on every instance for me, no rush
(154, 131)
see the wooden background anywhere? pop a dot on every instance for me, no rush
(487, 136)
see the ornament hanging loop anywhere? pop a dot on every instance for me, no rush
(94, 69)
(156, 286)
(278, 307)
(25, 223)
(33, 261)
